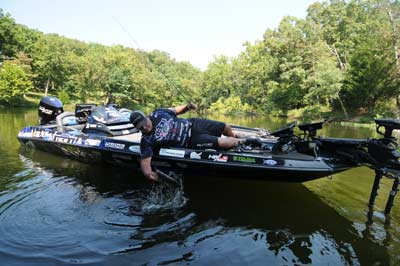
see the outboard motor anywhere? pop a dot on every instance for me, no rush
(49, 108)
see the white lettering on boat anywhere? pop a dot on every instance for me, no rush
(195, 155)
(135, 149)
(114, 145)
(172, 153)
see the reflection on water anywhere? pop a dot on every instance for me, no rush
(56, 211)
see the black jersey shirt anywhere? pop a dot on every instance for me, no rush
(168, 130)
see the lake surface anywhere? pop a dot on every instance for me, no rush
(57, 211)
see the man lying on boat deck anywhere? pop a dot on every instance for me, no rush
(163, 128)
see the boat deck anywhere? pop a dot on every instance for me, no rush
(135, 137)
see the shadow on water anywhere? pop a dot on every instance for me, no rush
(106, 215)
(291, 220)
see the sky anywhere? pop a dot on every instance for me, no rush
(193, 31)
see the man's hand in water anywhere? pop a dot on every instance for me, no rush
(153, 176)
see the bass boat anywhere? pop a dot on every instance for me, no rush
(104, 134)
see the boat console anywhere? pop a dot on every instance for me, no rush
(108, 121)
(83, 112)
(89, 118)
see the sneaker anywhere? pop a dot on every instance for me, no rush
(254, 142)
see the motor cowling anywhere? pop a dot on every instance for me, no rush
(49, 108)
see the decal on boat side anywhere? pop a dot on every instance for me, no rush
(195, 155)
(172, 153)
(63, 139)
(93, 142)
(244, 159)
(218, 157)
(41, 133)
(114, 145)
(135, 149)
(270, 162)
(50, 135)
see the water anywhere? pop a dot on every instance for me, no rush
(56, 211)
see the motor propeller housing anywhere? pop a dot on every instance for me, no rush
(389, 125)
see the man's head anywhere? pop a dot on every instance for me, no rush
(140, 121)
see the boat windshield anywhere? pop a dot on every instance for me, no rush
(107, 114)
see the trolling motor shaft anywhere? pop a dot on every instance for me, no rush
(384, 158)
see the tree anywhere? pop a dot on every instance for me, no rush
(8, 38)
(13, 83)
(218, 79)
(371, 78)
(325, 83)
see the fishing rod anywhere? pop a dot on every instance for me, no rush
(169, 81)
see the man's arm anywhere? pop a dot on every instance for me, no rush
(145, 165)
(184, 108)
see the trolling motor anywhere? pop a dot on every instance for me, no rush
(305, 144)
(285, 136)
(384, 156)
(308, 144)
(384, 151)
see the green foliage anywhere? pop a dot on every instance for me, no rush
(343, 55)
(14, 83)
(372, 78)
(8, 36)
(384, 109)
(63, 96)
(309, 113)
(323, 83)
(230, 105)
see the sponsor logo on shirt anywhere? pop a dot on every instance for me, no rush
(162, 129)
(172, 153)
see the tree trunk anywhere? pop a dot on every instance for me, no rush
(46, 88)
(343, 69)
(343, 108)
(395, 47)
(396, 52)
(334, 52)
